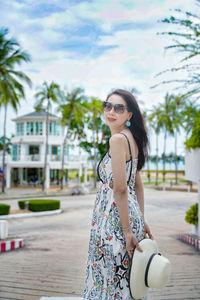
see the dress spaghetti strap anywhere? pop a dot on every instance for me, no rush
(128, 144)
(130, 156)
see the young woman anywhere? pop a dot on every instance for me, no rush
(118, 222)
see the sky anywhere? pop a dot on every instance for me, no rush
(98, 45)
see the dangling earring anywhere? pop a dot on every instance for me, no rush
(128, 123)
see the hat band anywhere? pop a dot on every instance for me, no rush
(147, 268)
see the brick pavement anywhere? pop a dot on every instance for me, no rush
(52, 263)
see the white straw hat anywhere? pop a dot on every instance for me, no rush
(149, 269)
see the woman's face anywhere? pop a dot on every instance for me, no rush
(114, 119)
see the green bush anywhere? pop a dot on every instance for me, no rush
(192, 215)
(4, 209)
(40, 205)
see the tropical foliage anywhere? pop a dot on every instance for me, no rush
(186, 41)
(73, 107)
(192, 215)
(47, 93)
(11, 80)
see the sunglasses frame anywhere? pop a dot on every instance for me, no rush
(115, 106)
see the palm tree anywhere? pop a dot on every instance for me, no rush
(185, 39)
(146, 119)
(73, 107)
(47, 93)
(11, 88)
(166, 121)
(178, 103)
(156, 123)
(95, 124)
(190, 113)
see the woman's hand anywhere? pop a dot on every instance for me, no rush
(131, 242)
(147, 231)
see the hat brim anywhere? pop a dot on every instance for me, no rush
(138, 267)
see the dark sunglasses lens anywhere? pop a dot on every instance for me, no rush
(119, 108)
(107, 106)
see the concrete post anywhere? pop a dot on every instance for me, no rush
(85, 175)
(8, 177)
(80, 174)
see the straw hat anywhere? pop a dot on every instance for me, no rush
(149, 269)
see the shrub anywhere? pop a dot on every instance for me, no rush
(4, 209)
(192, 215)
(40, 205)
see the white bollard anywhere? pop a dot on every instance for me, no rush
(3, 229)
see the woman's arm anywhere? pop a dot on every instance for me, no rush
(118, 162)
(139, 190)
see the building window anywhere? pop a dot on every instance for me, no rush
(29, 128)
(36, 128)
(54, 150)
(40, 128)
(20, 129)
(34, 149)
(57, 129)
(50, 128)
(16, 150)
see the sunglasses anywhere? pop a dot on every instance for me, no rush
(118, 108)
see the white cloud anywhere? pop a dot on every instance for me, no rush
(136, 60)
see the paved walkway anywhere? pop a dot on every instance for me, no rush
(53, 261)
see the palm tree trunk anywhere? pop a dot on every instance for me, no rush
(175, 160)
(157, 159)
(63, 155)
(4, 151)
(46, 146)
(165, 138)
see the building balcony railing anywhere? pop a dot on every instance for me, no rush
(33, 157)
(55, 157)
(51, 157)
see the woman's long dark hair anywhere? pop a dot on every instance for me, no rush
(137, 128)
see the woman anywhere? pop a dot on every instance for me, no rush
(118, 217)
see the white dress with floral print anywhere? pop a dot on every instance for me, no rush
(107, 271)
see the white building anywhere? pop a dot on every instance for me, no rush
(25, 165)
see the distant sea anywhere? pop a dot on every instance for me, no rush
(168, 166)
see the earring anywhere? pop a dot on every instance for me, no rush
(128, 123)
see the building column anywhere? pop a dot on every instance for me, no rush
(8, 177)
(47, 181)
(21, 176)
(85, 175)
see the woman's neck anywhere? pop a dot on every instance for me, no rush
(117, 130)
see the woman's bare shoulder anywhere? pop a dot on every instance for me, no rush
(116, 139)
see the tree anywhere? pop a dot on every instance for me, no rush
(190, 113)
(94, 122)
(166, 121)
(11, 87)
(156, 123)
(8, 144)
(186, 41)
(73, 107)
(177, 105)
(48, 93)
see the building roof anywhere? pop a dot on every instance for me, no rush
(41, 114)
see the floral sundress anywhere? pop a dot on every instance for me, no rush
(107, 271)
